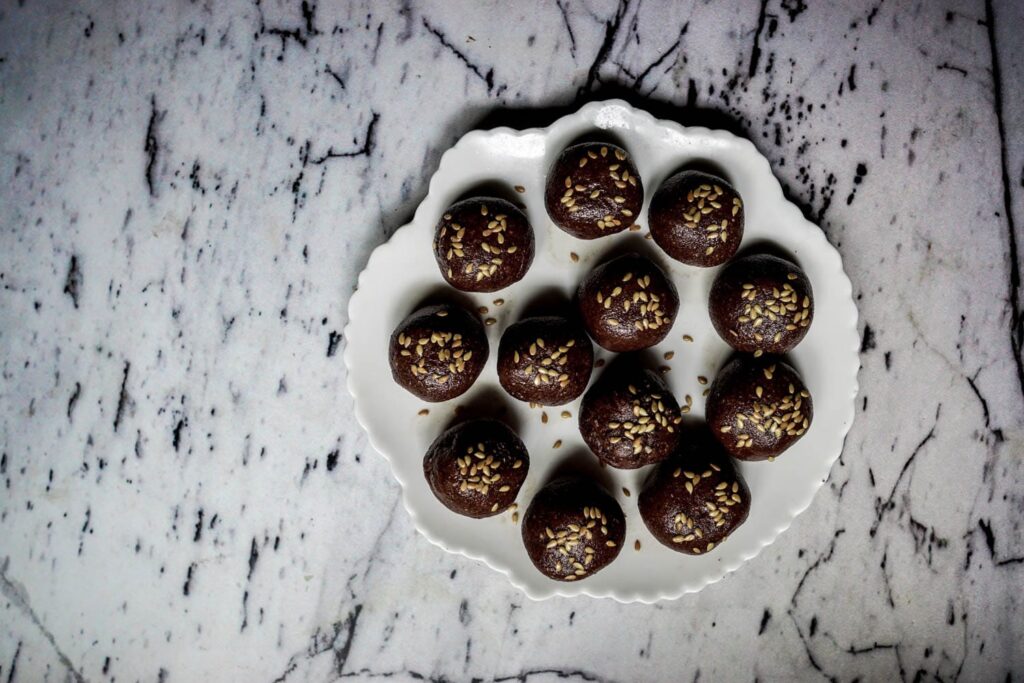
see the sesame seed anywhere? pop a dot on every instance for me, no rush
(544, 417)
(490, 321)
(669, 355)
(566, 414)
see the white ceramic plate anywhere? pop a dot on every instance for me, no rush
(402, 271)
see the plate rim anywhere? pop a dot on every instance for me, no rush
(814, 232)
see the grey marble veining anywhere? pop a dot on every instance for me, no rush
(188, 192)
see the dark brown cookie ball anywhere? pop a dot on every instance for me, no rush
(476, 468)
(593, 190)
(695, 499)
(483, 244)
(761, 304)
(697, 218)
(545, 360)
(628, 303)
(629, 418)
(438, 352)
(573, 529)
(758, 407)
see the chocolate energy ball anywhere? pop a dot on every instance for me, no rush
(483, 244)
(697, 218)
(438, 352)
(593, 190)
(695, 499)
(545, 360)
(476, 468)
(629, 418)
(627, 303)
(761, 304)
(573, 529)
(758, 407)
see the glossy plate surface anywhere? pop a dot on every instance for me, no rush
(402, 272)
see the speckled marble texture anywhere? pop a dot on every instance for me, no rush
(187, 193)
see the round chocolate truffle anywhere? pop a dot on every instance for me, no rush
(628, 303)
(629, 418)
(758, 407)
(545, 360)
(476, 468)
(593, 190)
(438, 352)
(483, 244)
(695, 499)
(697, 218)
(761, 304)
(573, 529)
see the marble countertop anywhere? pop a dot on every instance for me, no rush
(187, 193)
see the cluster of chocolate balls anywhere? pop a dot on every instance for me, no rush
(757, 405)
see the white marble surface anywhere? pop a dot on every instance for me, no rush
(187, 193)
